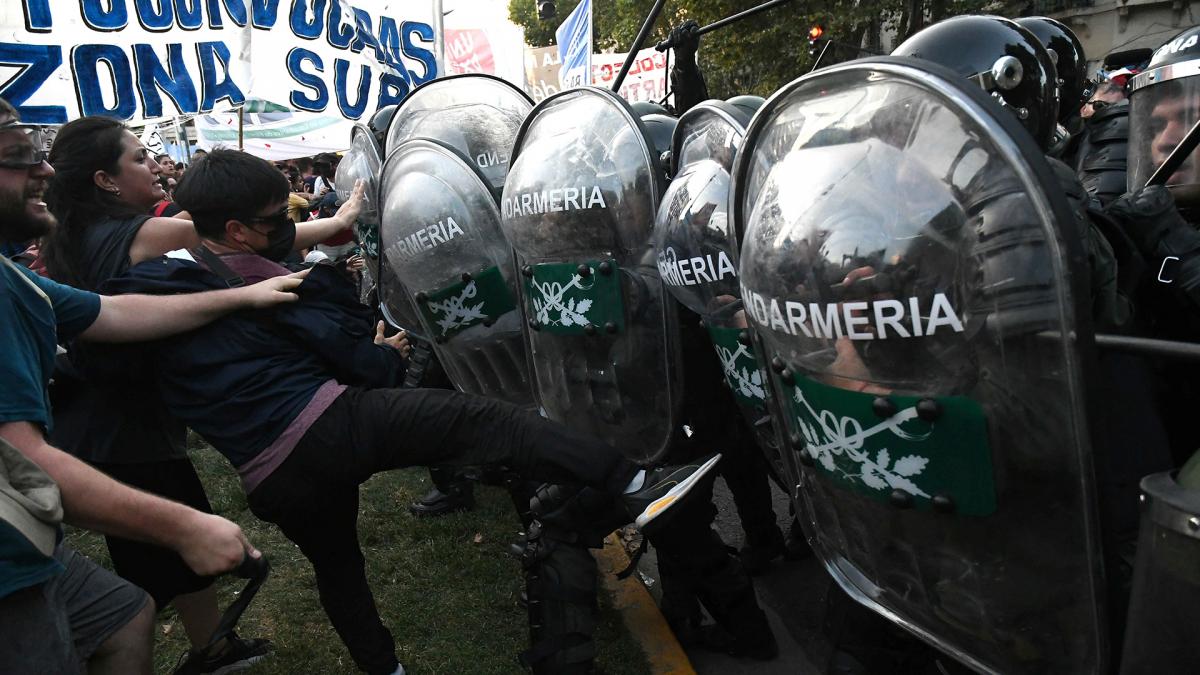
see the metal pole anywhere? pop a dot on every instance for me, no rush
(821, 55)
(1177, 157)
(439, 37)
(667, 44)
(241, 127)
(637, 43)
(1171, 349)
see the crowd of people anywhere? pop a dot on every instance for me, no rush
(141, 298)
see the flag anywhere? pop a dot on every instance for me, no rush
(575, 47)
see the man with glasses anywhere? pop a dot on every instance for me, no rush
(58, 611)
(1106, 94)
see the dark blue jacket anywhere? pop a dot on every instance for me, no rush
(242, 379)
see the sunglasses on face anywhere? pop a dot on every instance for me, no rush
(24, 156)
(275, 220)
(1098, 104)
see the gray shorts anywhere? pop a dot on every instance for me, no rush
(56, 626)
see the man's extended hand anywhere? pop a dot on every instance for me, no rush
(214, 545)
(348, 212)
(399, 341)
(273, 291)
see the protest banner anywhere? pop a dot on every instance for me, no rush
(541, 72)
(144, 60)
(468, 50)
(646, 80)
(274, 134)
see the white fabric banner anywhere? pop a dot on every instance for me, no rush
(275, 135)
(144, 60)
(645, 81)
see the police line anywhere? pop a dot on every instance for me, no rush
(146, 59)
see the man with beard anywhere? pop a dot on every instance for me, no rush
(59, 611)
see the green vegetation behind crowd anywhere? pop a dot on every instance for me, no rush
(446, 588)
(757, 55)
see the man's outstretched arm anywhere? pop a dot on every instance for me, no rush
(137, 318)
(209, 544)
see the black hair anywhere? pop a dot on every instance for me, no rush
(227, 184)
(81, 148)
(159, 157)
(304, 163)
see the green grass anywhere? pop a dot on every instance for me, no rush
(445, 587)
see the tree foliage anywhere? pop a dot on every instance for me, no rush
(756, 55)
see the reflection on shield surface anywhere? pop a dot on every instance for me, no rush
(578, 208)
(909, 283)
(441, 235)
(696, 253)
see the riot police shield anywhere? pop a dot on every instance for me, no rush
(478, 115)
(1164, 610)
(444, 243)
(696, 251)
(363, 161)
(912, 275)
(578, 209)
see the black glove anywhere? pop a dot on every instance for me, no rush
(686, 40)
(1151, 220)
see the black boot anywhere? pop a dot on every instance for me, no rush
(450, 493)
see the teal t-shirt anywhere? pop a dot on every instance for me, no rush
(34, 314)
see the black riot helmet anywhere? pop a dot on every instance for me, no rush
(1005, 59)
(380, 121)
(747, 103)
(641, 108)
(659, 129)
(1069, 61)
(1164, 103)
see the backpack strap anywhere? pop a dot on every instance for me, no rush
(218, 266)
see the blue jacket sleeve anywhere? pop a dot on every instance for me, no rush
(331, 322)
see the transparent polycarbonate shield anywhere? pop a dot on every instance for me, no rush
(363, 161)
(442, 239)
(395, 304)
(906, 265)
(478, 115)
(1164, 607)
(1163, 106)
(578, 208)
(696, 250)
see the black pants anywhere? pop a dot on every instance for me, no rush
(313, 495)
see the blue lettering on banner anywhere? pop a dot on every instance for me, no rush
(339, 34)
(392, 89)
(264, 13)
(189, 14)
(389, 39)
(175, 81)
(426, 57)
(298, 99)
(155, 19)
(235, 8)
(210, 54)
(302, 27)
(37, 63)
(98, 16)
(341, 85)
(85, 66)
(37, 17)
(364, 36)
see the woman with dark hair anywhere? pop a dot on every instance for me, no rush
(102, 193)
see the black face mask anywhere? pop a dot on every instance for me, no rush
(281, 240)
